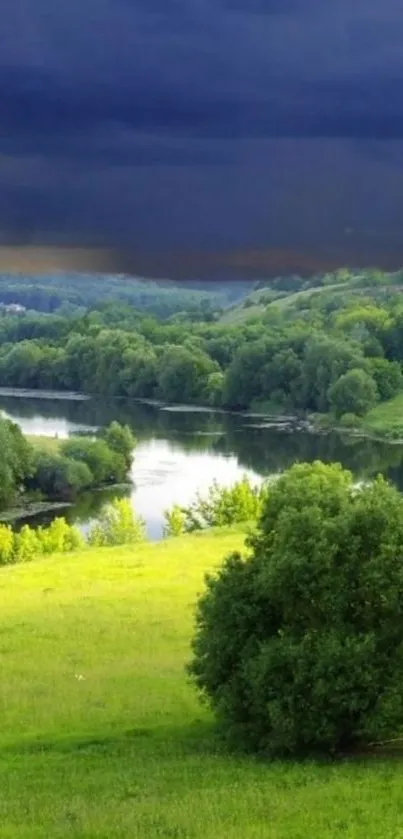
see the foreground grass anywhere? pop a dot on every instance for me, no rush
(102, 735)
(386, 419)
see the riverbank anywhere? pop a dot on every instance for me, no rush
(29, 393)
(383, 423)
(60, 473)
(386, 419)
(103, 735)
(266, 414)
(180, 454)
(32, 509)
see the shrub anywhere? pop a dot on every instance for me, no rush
(117, 525)
(60, 477)
(349, 421)
(388, 377)
(6, 544)
(299, 647)
(120, 439)
(105, 464)
(223, 506)
(59, 537)
(27, 544)
(355, 392)
(174, 521)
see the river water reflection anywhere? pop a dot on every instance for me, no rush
(181, 451)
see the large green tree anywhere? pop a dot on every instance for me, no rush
(16, 462)
(120, 439)
(299, 646)
(183, 374)
(355, 392)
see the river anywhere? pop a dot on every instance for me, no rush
(181, 450)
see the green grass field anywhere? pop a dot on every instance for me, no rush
(50, 445)
(239, 314)
(386, 419)
(102, 735)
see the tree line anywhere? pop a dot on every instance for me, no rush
(72, 292)
(328, 353)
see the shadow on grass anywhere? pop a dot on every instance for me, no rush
(195, 738)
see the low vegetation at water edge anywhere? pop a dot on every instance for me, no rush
(60, 470)
(218, 507)
(117, 524)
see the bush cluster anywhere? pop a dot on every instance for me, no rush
(117, 525)
(219, 507)
(83, 463)
(29, 543)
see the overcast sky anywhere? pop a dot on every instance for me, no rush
(203, 124)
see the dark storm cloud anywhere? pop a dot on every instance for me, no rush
(162, 120)
(262, 7)
(200, 68)
(40, 113)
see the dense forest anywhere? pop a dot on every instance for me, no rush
(331, 348)
(68, 293)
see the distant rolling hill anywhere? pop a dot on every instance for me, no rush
(257, 302)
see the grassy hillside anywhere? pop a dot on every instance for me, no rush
(252, 305)
(102, 735)
(50, 445)
(257, 302)
(386, 419)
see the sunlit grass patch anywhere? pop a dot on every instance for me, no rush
(102, 735)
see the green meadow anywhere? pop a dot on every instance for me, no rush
(102, 735)
(386, 418)
(50, 445)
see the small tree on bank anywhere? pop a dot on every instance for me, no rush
(120, 439)
(300, 646)
(117, 525)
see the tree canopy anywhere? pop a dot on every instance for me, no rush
(299, 646)
(334, 347)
